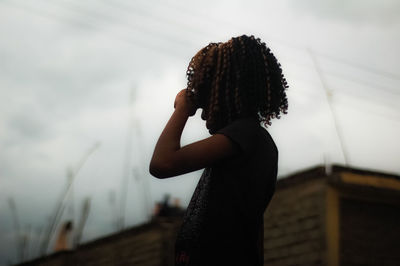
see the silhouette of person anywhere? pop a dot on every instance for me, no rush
(238, 85)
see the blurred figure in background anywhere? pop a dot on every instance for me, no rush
(64, 237)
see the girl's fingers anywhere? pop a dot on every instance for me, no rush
(184, 100)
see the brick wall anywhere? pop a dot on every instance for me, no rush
(293, 235)
(148, 245)
(358, 224)
(294, 225)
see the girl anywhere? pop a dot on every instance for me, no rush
(237, 84)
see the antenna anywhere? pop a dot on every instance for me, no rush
(114, 209)
(61, 205)
(127, 162)
(329, 98)
(328, 164)
(82, 221)
(17, 229)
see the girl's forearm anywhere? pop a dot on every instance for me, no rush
(169, 140)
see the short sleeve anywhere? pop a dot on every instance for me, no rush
(242, 132)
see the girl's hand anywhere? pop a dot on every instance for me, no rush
(185, 103)
(170, 159)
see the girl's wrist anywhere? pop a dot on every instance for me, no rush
(182, 111)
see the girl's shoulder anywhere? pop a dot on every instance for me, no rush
(243, 132)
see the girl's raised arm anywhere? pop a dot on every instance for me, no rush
(170, 159)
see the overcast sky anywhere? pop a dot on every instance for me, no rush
(68, 68)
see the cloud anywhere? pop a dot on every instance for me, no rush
(63, 87)
(362, 11)
(28, 123)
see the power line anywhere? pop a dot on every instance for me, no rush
(195, 12)
(158, 48)
(313, 94)
(344, 77)
(392, 117)
(145, 14)
(333, 92)
(365, 68)
(147, 45)
(294, 46)
(136, 42)
(105, 17)
(362, 82)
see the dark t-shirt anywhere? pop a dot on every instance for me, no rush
(223, 224)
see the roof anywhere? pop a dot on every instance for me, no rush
(320, 172)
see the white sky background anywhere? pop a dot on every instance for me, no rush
(67, 69)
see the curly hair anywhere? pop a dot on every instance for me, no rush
(238, 78)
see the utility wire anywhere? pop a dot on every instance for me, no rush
(149, 46)
(353, 105)
(297, 47)
(146, 45)
(361, 96)
(345, 77)
(297, 77)
(106, 17)
(46, 14)
(195, 12)
(136, 42)
(394, 118)
(304, 48)
(129, 8)
(180, 25)
(363, 67)
(362, 82)
(186, 43)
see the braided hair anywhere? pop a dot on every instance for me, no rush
(238, 78)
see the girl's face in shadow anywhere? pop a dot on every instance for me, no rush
(203, 106)
(204, 117)
(212, 127)
(203, 114)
